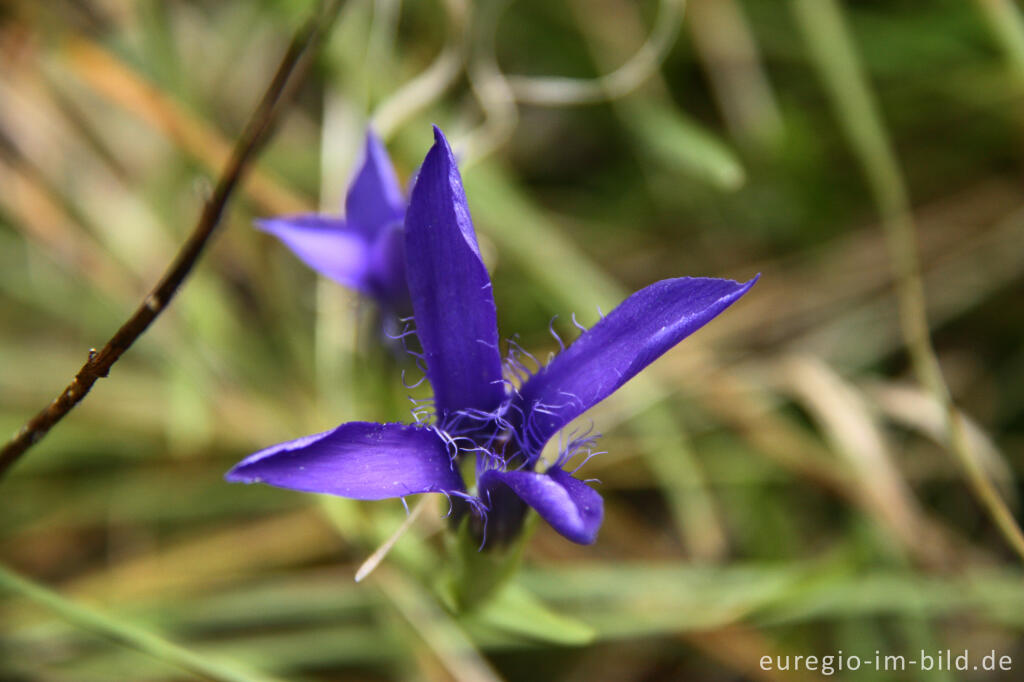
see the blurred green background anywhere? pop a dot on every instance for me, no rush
(782, 483)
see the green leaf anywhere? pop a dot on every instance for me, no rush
(516, 610)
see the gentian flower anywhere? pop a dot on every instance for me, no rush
(479, 412)
(363, 250)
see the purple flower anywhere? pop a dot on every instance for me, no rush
(363, 250)
(478, 410)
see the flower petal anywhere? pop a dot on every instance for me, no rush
(328, 245)
(387, 266)
(571, 506)
(374, 198)
(360, 460)
(632, 336)
(456, 321)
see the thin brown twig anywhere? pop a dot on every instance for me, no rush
(290, 73)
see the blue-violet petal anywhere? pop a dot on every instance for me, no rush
(387, 267)
(572, 507)
(632, 336)
(328, 245)
(359, 460)
(374, 198)
(456, 321)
